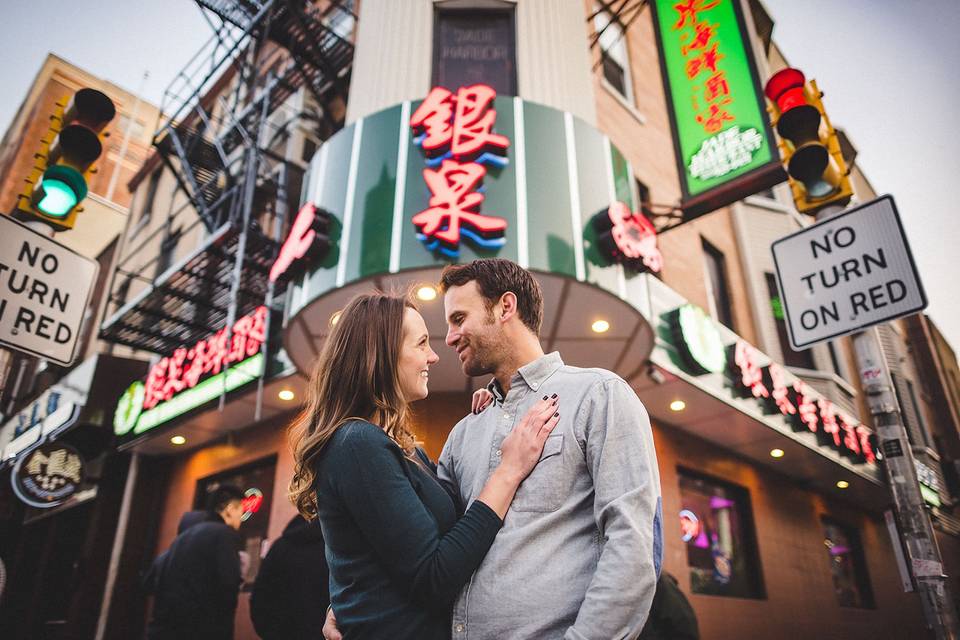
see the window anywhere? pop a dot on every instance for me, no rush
(838, 361)
(256, 481)
(147, 209)
(850, 581)
(717, 527)
(802, 359)
(475, 46)
(718, 293)
(168, 249)
(613, 54)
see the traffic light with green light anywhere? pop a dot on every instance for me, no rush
(72, 145)
(808, 143)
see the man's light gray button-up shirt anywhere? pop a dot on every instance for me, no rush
(581, 546)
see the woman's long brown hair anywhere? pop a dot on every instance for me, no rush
(354, 377)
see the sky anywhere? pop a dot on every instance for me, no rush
(889, 73)
(888, 70)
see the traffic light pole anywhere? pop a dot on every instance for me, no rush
(916, 530)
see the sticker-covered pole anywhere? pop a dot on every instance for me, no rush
(916, 530)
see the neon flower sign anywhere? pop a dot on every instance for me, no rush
(251, 503)
(456, 134)
(628, 238)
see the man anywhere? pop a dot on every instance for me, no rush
(196, 582)
(580, 550)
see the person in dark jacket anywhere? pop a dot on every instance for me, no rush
(292, 591)
(149, 579)
(671, 616)
(197, 580)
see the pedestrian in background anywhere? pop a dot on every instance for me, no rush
(671, 616)
(292, 590)
(196, 581)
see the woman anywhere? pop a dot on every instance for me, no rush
(397, 552)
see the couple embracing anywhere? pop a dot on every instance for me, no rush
(542, 518)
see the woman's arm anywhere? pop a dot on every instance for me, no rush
(372, 484)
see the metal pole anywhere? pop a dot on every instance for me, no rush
(916, 530)
(123, 520)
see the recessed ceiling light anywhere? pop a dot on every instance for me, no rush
(842, 484)
(600, 326)
(335, 318)
(427, 293)
(286, 394)
(678, 405)
(178, 440)
(776, 453)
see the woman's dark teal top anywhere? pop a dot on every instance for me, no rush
(398, 554)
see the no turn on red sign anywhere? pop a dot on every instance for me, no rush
(44, 292)
(847, 273)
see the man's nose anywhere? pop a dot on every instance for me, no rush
(452, 336)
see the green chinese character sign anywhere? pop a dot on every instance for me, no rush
(724, 145)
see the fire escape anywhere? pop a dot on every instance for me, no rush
(218, 141)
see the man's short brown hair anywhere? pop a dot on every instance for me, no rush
(495, 277)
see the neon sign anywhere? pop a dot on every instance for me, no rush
(699, 343)
(804, 408)
(455, 133)
(689, 525)
(724, 146)
(307, 239)
(628, 238)
(191, 377)
(251, 503)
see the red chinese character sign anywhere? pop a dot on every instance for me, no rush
(455, 132)
(725, 148)
(751, 375)
(188, 377)
(627, 238)
(804, 408)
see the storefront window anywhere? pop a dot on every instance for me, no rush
(717, 527)
(850, 581)
(475, 47)
(256, 481)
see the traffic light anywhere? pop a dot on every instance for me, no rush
(809, 145)
(59, 184)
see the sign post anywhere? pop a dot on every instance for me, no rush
(44, 292)
(847, 273)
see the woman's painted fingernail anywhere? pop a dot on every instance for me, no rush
(554, 396)
(556, 414)
(544, 397)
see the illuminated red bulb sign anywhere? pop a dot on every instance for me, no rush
(455, 132)
(251, 503)
(627, 238)
(307, 240)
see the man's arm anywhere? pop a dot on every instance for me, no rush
(620, 455)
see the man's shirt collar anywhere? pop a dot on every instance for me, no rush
(533, 374)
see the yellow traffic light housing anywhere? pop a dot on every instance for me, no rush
(809, 146)
(58, 182)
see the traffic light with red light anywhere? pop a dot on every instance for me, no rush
(808, 143)
(59, 181)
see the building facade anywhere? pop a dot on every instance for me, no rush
(49, 410)
(775, 519)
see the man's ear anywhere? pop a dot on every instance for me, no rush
(507, 306)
